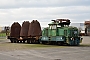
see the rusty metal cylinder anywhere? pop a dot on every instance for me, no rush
(15, 29)
(34, 29)
(24, 29)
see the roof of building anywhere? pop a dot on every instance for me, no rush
(87, 22)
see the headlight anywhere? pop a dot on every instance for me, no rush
(61, 38)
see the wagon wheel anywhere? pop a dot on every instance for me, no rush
(17, 41)
(11, 40)
(23, 41)
(28, 41)
(14, 41)
(20, 41)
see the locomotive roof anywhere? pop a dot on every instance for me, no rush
(60, 22)
(70, 27)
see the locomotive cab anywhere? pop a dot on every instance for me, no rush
(59, 32)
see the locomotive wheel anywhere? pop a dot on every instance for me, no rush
(60, 43)
(52, 43)
(44, 42)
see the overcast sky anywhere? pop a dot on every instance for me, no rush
(43, 10)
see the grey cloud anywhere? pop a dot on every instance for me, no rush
(5, 4)
(43, 10)
(44, 14)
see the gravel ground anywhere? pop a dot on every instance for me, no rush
(86, 40)
(9, 51)
(68, 53)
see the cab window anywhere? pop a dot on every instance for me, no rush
(53, 27)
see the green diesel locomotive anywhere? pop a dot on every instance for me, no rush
(59, 32)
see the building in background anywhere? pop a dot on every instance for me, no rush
(87, 27)
(80, 26)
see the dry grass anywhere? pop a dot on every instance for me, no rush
(19, 46)
(5, 45)
(10, 46)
